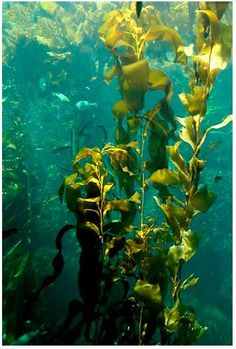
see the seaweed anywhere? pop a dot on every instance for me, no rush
(130, 270)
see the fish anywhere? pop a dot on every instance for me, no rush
(139, 5)
(62, 97)
(86, 106)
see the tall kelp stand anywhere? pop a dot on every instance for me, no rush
(130, 268)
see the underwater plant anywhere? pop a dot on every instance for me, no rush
(130, 270)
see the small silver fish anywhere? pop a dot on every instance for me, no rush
(62, 97)
(86, 106)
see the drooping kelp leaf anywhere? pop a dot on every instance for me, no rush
(122, 156)
(211, 60)
(178, 161)
(87, 152)
(164, 33)
(213, 55)
(224, 123)
(112, 36)
(184, 251)
(123, 160)
(165, 177)
(217, 7)
(120, 109)
(159, 81)
(195, 103)
(188, 131)
(212, 20)
(111, 18)
(123, 48)
(133, 248)
(176, 216)
(201, 200)
(149, 294)
(134, 84)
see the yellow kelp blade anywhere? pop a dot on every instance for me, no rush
(225, 122)
(164, 33)
(137, 74)
(202, 200)
(165, 177)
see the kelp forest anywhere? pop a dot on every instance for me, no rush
(117, 128)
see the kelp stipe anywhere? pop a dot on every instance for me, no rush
(130, 269)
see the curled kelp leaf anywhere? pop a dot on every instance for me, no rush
(87, 152)
(120, 110)
(188, 131)
(149, 294)
(176, 216)
(164, 33)
(202, 199)
(159, 81)
(178, 161)
(184, 251)
(195, 103)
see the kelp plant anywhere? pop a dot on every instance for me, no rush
(129, 277)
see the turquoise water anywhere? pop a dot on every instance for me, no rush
(53, 59)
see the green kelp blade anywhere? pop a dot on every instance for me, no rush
(185, 251)
(165, 177)
(148, 294)
(202, 199)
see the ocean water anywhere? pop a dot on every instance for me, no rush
(55, 103)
